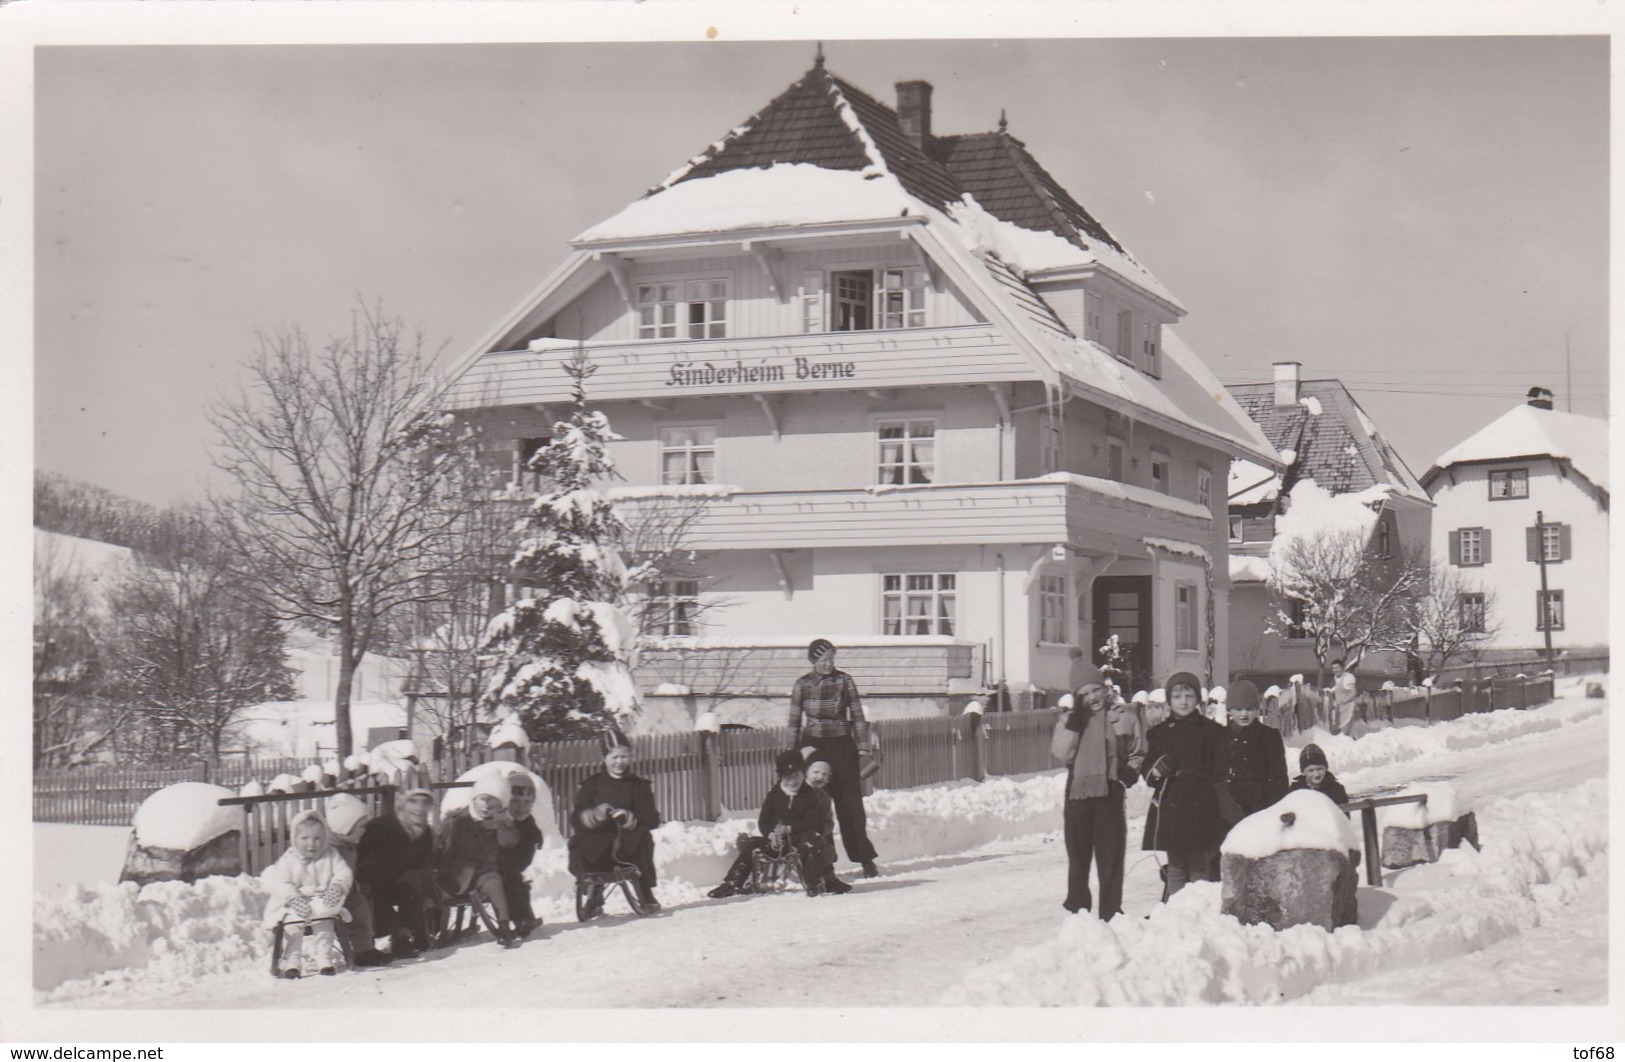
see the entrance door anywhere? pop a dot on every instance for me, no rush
(1122, 606)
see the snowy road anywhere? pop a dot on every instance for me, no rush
(912, 936)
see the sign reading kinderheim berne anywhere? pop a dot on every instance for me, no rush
(707, 374)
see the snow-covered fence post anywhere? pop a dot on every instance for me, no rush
(707, 777)
(976, 733)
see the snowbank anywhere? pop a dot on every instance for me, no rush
(1540, 847)
(1404, 744)
(1444, 804)
(185, 816)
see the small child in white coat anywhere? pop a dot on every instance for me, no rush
(307, 887)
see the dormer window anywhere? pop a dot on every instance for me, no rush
(1125, 336)
(683, 309)
(1151, 348)
(1094, 318)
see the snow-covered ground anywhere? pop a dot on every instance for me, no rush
(967, 913)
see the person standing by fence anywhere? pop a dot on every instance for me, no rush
(827, 713)
(1103, 746)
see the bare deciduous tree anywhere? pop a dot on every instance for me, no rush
(71, 715)
(1452, 621)
(190, 654)
(346, 490)
(1353, 602)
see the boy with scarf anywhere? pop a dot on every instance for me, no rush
(1103, 745)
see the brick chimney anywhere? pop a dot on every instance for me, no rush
(1540, 397)
(1286, 383)
(914, 112)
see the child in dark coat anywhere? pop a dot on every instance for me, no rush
(468, 851)
(1317, 775)
(394, 872)
(1183, 762)
(1253, 770)
(516, 860)
(613, 806)
(794, 816)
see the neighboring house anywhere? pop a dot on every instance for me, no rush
(1321, 434)
(1533, 461)
(930, 407)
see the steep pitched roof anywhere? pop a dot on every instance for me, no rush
(1332, 440)
(824, 121)
(1525, 431)
(1004, 177)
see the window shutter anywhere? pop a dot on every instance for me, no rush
(1531, 544)
(1484, 546)
(812, 303)
(1568, 541)
(1455, 548)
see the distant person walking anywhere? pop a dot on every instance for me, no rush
(1345, 690)
(827, 713)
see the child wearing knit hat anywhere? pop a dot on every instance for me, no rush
(1253, 771)
(1317, 775)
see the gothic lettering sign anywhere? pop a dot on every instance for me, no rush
(712, 374)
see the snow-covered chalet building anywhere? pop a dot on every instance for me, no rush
(1488, 489)
(1320, 433)
(926, 404)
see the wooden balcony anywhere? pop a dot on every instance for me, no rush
(1091, 514)
(672, 369)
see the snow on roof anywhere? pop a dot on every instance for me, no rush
(1314, 513)
(1316, 822)
(1250, 483)
(779, 195)
(1245, 568)
(1525, 431)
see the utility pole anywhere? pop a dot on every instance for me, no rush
(1544, 614)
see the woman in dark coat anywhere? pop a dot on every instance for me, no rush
(615, 803)
(1253, 774)
(1183, 762)
(394, 869)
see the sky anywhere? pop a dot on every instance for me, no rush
(1423, 218)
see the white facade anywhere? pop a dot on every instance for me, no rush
(1497, 553)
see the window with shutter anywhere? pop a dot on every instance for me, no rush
(1567, 543)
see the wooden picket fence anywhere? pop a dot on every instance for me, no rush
(698, 775)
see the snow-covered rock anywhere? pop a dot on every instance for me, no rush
(182, 834)
(184, 816)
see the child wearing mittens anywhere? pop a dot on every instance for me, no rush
(307, 888)
(468, 850)
(1183, 765)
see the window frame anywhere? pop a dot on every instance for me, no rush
(1514, 475)
(682, 324)
(1185, 628)
(1472, 612)
(1478, 547)
(1543, 601)
(690, 450)
(1295, 630)
(1551, 535)
(1161, 459)
(1052, 610)
(662, 599)
(1094, 317)
(878, 424)
(935, 595)
(1049, 441)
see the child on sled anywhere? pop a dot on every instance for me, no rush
(307, 887)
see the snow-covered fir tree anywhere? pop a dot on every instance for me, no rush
(560, 652)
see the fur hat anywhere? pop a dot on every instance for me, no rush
(789, 762)
(1311, 756)
(1185, 678)
(345, 813)
(1243, 694)
(818, 648)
